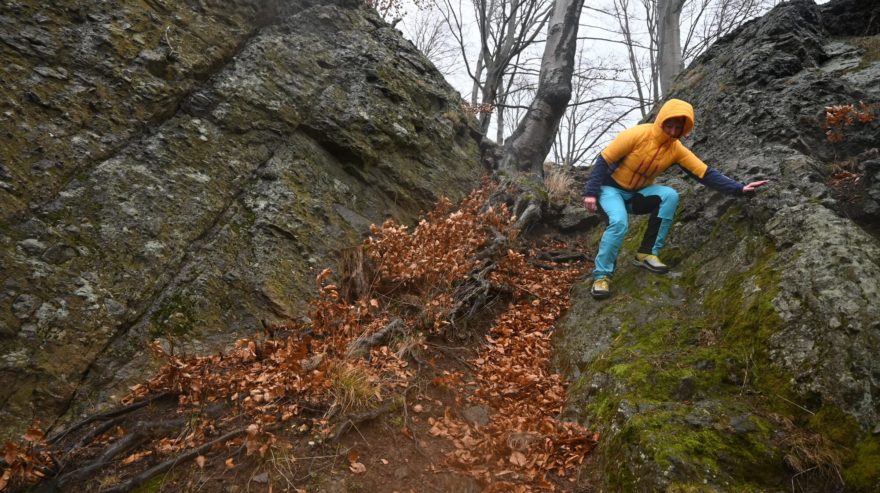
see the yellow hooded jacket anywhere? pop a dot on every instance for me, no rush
(646, 150)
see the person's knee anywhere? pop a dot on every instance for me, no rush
(669, 196)
(618, 224)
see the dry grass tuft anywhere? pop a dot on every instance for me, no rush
(811, 453)
(282, 466)
(559, 184)
(871, 45)
(353, 388)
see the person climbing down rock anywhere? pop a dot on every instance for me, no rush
(622, 182)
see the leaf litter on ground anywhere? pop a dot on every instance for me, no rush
(303, 376)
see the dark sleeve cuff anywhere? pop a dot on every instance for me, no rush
(598, 175)
(714, 179)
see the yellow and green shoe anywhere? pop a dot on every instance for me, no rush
(650, 262)
(601, 288)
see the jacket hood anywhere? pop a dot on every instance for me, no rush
(675, 108)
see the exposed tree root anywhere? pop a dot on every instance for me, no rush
(168, 464)
(499, 243)
(544, 266)
(531, 215)
(363, 344)
(557, 257)
(95, 433)
(106, 415)
(354, 419)
(477, 291)
(137, 435)
(562, 256)
(353, 274)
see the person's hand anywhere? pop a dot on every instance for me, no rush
(751, 187)
(590, 203)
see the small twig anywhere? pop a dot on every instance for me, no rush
(361, 434)
(746, 373)
(793, 478)
(406, 419)
(449, 353)
(536, 295)
(794, 404)
(119, 447)
(172, 51)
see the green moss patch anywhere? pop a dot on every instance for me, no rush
(174, 318)
(686, 395)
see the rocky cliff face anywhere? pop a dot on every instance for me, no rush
(753, 365)
(177, 170)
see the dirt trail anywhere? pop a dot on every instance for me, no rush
(369, 394)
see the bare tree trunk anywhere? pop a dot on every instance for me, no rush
(490, 93)
(651, 23)
(621, 11)
(499, 122)
(478, 72)
(483, 13)
(529, 144)
(669, 56)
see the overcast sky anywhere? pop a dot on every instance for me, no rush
(592, 26)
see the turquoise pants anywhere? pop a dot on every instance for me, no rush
(658, 200)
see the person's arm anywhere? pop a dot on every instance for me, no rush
(622, 145)
(597, 177)
(715, 179)
(711, 177)
(598, 174)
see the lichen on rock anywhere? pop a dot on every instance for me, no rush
(180, 171)
(749, 366)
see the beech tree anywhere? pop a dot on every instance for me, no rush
(592, 111)
(657, 37)
(530, 143)
(706, 20)
(506, 28)
(525, 150)
(668, 41)
(660, 36)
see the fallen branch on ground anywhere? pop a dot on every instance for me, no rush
(352, 420)
(363, 344)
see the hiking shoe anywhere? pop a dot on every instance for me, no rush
(650, 262)
(601, 288)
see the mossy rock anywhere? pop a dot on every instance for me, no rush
(674, 372)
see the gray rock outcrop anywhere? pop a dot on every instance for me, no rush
(180, 170)
(753, 365)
